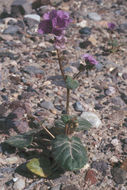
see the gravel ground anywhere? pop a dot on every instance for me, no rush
(30, 81)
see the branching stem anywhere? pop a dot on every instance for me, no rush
(68, 90)
(68, 100)
(60, 65)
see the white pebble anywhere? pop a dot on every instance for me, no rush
(115, 142)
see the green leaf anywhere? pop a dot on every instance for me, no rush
(20, 141)
(71, 84)
(66, 118)
(69, 153)
(59, 128)
(114, 43)
(40, 166)
(83, 124)
(59, 123)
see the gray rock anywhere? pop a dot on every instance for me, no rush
(68, 70)
(125, 140)
(32, 20)
(57, 187)
(125, 148)
(85, 30)
(13, 29)
(98, 106)
(55, 2)
(32, 70)
(33, 17)
(47, 105)
(110, 91)
(101, 166)
(123, 27)
(70, 187)
(119, 175)
(84, 44)
(78, 107)
(124, 75)
(19, 184)
(99, 66)
(124, 97)
(118, 101)
(21, 7)
(94, 16)
(92, 118)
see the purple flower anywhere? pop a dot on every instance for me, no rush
(90, 61)
(111, 26)
(54, 22)
(60, 42)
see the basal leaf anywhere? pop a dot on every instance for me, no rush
(83, 124)
(71, 84)
(59, 128)
(20, 141)
(40, 166)
(69, 153)
(59, 123)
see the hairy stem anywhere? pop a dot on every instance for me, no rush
(76, 75)
(68, 100)
(60, 65)
(68, 90)
(40, 123)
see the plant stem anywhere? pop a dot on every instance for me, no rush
(33, 117)
(68, 90)
(64, 77)
(60, 64)
(48, 132)
(75, 76)
(68, 100)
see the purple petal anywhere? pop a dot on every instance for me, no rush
(89, 59)
(46, 16)
(45, 27)
(57, 31)
(53, 14)
(111, 26)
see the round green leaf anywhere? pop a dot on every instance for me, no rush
(20, 141)
(69, 153)
(83, 124)
(71, 83)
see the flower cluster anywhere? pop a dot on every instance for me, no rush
(90, 60)
(54, 22)
(111, 26)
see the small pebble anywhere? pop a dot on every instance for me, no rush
(113, 159)
(100, 165)
(94, 16)
(124, 75)
(92, 118)
(91, 177)
(119, 175)
(47, 105)
(115, 142)
(57, 187)
(70, 187)
(19, 184)
(110, 91)
(85, 30)
(78, 107)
